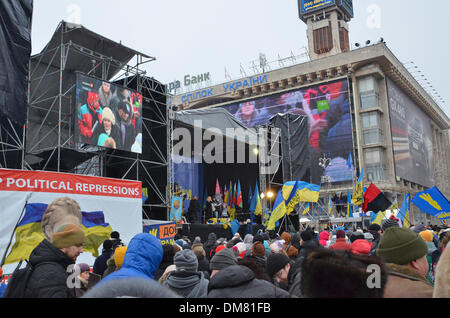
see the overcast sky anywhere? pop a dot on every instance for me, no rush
(200, 36)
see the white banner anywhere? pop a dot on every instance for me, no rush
(107, 205)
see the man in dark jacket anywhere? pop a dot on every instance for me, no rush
(193, 210)
(51, 261)
(186, 280)
(239, 281)
(100, 262)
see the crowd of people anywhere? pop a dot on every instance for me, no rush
(385, 261)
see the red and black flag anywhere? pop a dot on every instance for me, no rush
(374, 200)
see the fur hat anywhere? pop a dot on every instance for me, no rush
(68, 235)
(198, 250)
(222, 260)
(109, 115)
(186, 260)
(119, 255)
(401, 246)
(258, 249)
(275, 262)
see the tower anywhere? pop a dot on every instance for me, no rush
(327, 26)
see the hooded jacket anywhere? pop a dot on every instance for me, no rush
(210, 245)
(88, 116)
(238, 281)
(361, 247)
(188, 284)
(341, 244)
(49, 277)
(144, 254)
(323, 238)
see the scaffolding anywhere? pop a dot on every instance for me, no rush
(50, 143)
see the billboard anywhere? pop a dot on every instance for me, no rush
(108, 115)
(107, 205)
(347, 6)
(411, 138)
(327, 109)
(308, 6)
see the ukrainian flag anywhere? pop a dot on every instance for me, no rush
(293, 199)
(349, 204)
(306, 192)
(255, 204)
(358, 198)
(279, 210)
(329, 205)
(306, 210)
(433, 202)
(403, 214)
(29, 232)
(379, 217)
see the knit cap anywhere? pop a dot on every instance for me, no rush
(68, 235)
(222, 260)
(258, 249)
(275, 262)
(186, 260)
(401, 246)
(427, 236)
(119, 255)
(81, 268)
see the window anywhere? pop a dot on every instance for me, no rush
(344, 40)
(374, 161)
(368, 91)
(323, 40)
(371, 126)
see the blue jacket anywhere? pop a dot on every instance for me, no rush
(143, 256)
(2, 289)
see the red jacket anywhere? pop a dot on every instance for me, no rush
(361, 247)
(341, 244)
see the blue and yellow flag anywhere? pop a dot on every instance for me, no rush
(279, 210)
(29, 233)
(306, 192)
(329, 205)
(349, 204)
(255, 204)
(403, 214)
(307, 209)
(433, 202)
(358, 194)
(293, 198)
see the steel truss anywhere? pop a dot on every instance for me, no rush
(50, 130)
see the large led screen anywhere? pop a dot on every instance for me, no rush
(411, 138)
(108, 115)
(330, 132)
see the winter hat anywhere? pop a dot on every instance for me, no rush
(219, 248)
(427, 236)
(374, 227)
(186, 260)
(267, 247)
(258, 238)
(368, 236)
(258, 249)
(81, 268)
(286, 236)
(277, 246)
(306, 236)
(340, 234)
(401, 246)
(119, 255)
(198, 250)
(276, 262)
(222, 260)
(241, 246)
(385, 224)
(197, 240)
(68, 235)
(361, 247)
(108, 114)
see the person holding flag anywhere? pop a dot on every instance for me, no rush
(349, 204)
(358, 198)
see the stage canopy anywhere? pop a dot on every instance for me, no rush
(218, 118)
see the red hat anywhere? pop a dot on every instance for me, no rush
(219, 248)
(92, 97)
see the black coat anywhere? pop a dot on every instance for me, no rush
(193, 211)
(100, 262)
(208, 212)
(49, 280)
(239, 282)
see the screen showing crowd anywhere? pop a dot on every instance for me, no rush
(327, 108)
(109, 115)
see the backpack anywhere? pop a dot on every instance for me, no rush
(18, 282)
